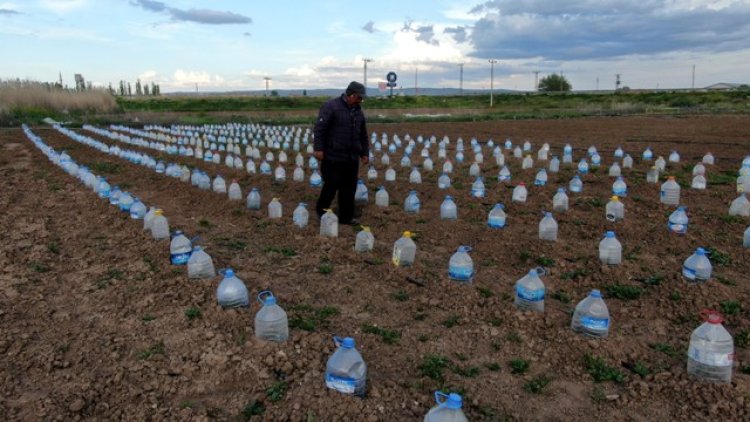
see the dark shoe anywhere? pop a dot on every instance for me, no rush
(352, 222)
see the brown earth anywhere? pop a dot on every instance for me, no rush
(94, 322)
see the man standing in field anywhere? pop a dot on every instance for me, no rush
(340, 143)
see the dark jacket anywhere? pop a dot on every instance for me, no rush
(340, 131)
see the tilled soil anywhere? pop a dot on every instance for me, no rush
(98, 325)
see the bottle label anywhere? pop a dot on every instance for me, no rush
(677, 228)
(496, 223)
(710, 358)
(341, 384)
(477, 193)
(689, 273)
(530, 295)
(620, 192)
(460, 273)
(539, 182)
(180, 258)
(594, 323)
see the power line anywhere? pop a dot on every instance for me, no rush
(492, 79)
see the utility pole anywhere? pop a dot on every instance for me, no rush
(365, 60)
(597, 83)
(492, 79)
(536, 80)
(617, 81)
(416, 81)
(461, 79)
(692, 86)
(267, 79)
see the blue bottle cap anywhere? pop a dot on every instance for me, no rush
(561, 190)
(464, 249)
(197, 248)
(454, 401)
(700, 251)
(266, 298)
(533, 272)
(448, 197)
(229, 273)
(347, 343)
(498, 205)
(610, 234)
(595, 293)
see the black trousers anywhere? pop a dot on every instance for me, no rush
(341, 177)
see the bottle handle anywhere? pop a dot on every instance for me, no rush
(266, 293)
(337, 341)
(540, 271)
(438, 396)
(706, 315)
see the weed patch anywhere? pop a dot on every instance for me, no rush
(623, 291)
(600, 371)
(730, 307)
(519, 366)
(388, 336)
(277, 391)
(537, 384)
(432, 366)
(157, 349)
(193, 313)
(308, 318)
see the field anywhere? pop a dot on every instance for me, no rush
(99, 325)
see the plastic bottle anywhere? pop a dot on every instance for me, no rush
(159, 226)
(404, 251)
(746, 238)
(137, 210)
(448, 209)
(660, 163)
(619, 152)
(447, 167)
(346, 371)
(530, 292)
(125, 202)
(460, 265)
(711, 350)
(517, 152)
(740, 206)
(678, 221)
(647, 154)
(619, 187)
(448, 409)
(329, 224)
(219, 185)
(708, 159)
(527, 163)
(444, 181)
(415, 177)
(548, 228)
(361, 194)
(591, 316)
(614, 210)
(699, 169)
(200, 264)
(381, 197)
(274, 208)
(271, 322)
(576, 184)
(541, 178)
(235, 193)
(364, 241)
(567, 159)
(699, 182)
(301, 216)
(253, 199)
(560, 200)
(674, 157)
(504, 174)
(610, 249)
(520, 193)
(102, 188)
(652, 175)
(670, 192)
(232, 292)
(411, 204)
(627, 162)
(697, 267)
(390, 175)
(477, 188)
(372, 173)
(179, 248)
(583, 166)
(554, 164)
(148, 219)
(496, 217)
(596, 160)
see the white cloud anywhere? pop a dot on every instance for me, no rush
(188, 78)
(64, 6)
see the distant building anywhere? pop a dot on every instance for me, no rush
(722, 86)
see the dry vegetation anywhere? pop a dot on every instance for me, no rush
(18, 95)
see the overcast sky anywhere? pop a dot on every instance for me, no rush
(223, 45)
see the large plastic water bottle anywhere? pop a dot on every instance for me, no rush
(102, 188)
(253, 199)
(427, 164)
(697, 267)
(647, 154)
(364, 241)
(504, 174)
(415, 177)
(361, 195)
(448, 409)
(219, 185)
(235, 192)
(711, 350)
(619, 187)
(329, 224)
(678, 221)
(591, 316)
(274, 208)
(583, 166)
(346, 371)
(554, 164)
(372, 173)
(200, 264)
(390, 175)
(527, 163)
(411, 204)
(660, 163)
(708, 159)
(279, 175)
(444, 181)
(530, 292)
(652, 175)
(541, 178)
(576, 184)
(404, 251)
(746, 238)
(137, 210)
(596, 160)
(448, 209)
(520, 193)
(300, 216)
(740, 206)
(567, 158)
(619, 152)
(474, 170)
(271, 322)
(159, 226)
(460, 265)
(496, 217)
(232, 292)
(614, 210)
(265, 168)
(670, 192)
(698, 182)
(180, 248)
(381, 197)
(548, 228)
(477, 188)
(567, 149)
(560, 200)
(627, 162)
(699, 169)
(315, 180)
(610, 249)
(674, 157)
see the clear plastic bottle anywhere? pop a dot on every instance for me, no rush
(614, 170)
(274, 208)
(627, 162)
(298, 175)
(137, 210)
(529, 292)
(180, 248)
(361, 195)
(235, 192)
(372, 173)
(647, 154)
(678, 221)
(496, 217)
(411, 204)
(279, 175)
(474, 170)
(448, 209)
(219, 185)
(364, 241)
(346, 371)
(329, 224)
(404, 251)
(541, 178)
(271, 322)
(697, 267)
(232, 292)
(103, 189)
(253, 199)
(708, 159)
(415, 177)
(699, 169)
(148, 219)
(610, 250)
(660, 164)
(200, 264)
(674, 157)
(583, 166)
(670, 192)
(619, 187)
(381, 197)
(548, 228)
(301, 216)
(699, 182)
(614, 210)
(576, 184)
(159, 226)
(444, 181)
(517, 152)
(591, 316)
(711, 350)
(560, 201)
(265, 168)
(527, 163)
(746, 238)
(460, 265)
(520, 193)
(390, 175)
(315, 179)
(448, 409)
(554, 164)
(477, 188)
(619, 152)
(740, 206)
(504, 174)
(567, 158)
(652, 175)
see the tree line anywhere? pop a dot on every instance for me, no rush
(141, 89)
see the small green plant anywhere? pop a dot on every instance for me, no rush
(468, 372)
(745, 369)
(204, 223)
(420, 316)
(153, 350)
(729, 219)
(53, 247)
(325, 268)
(285, 251)
(148, 318)
(308, 318)
(667, 349)
(513, 337)
(388, 336)
(640, 368)
(485, 292)
(600, 371)
(432, 366)
(545, 261)
(653, 280)
(451, 322)
(623, 291)
(38, 267)
(423, 338)
(401, 296)
(726, 281)
(421, 221)
(598, 395)
(572, 275)
(560, 295)
(524, 255)
(277, 391)
(254, 408)
(192, 313)
(718, 257)
(496, 321)
(492, 366)
(742, 339)
(519, 366)
(187, 404)
(537, 384)
(104, 167)
(730, 307)
(675, 296)
(231, 244)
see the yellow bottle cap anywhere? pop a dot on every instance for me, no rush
(615, 198)
(158, 212)
(365, 229)
(407, 233)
